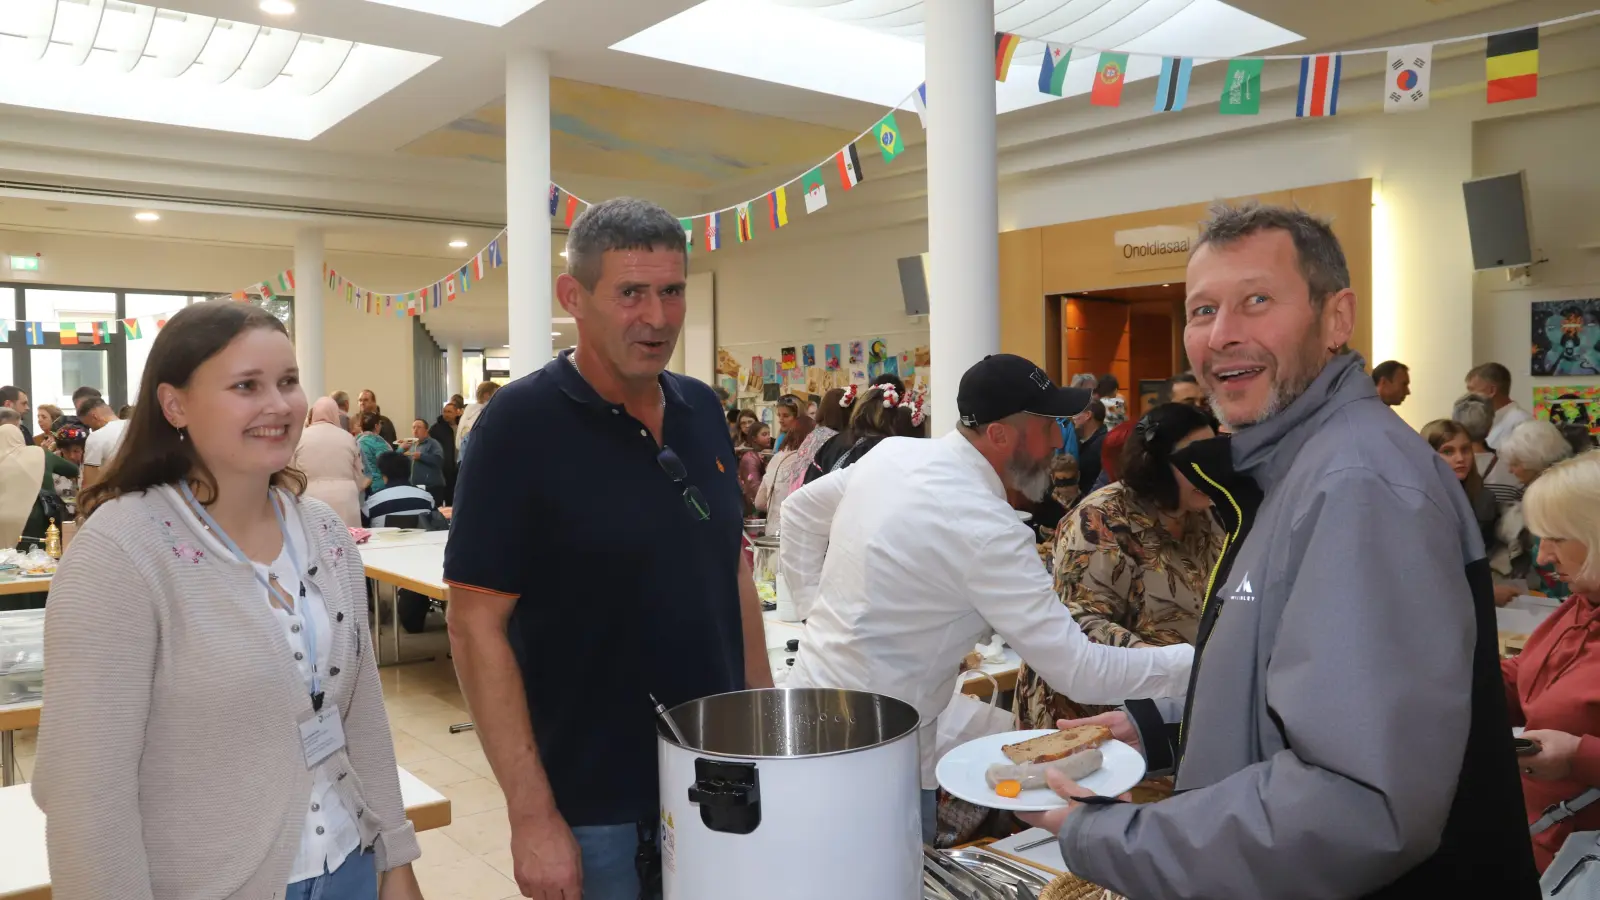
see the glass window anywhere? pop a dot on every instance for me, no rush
(59, 372)
(147, 308)
(471, 375)
(8, 306)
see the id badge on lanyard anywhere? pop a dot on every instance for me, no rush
(321, 730)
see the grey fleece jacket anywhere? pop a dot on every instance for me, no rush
(1330, 707)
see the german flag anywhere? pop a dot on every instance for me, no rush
(1513, 65)
(1005, 47)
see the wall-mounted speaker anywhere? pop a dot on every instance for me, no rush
(1498, 221)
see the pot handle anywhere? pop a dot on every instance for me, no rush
(728, 794)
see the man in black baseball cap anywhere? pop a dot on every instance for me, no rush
(1009, 411)
(1004, 384)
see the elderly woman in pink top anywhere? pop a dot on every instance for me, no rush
(328, 457)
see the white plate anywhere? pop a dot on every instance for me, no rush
(962, 772)
(37, 575)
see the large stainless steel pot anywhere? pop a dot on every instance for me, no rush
(792, 795)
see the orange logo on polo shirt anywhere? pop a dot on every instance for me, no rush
(720, 467)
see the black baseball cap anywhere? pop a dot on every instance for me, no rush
(1005, 384)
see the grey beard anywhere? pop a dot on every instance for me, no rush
(1031, 482)
(1283, 393)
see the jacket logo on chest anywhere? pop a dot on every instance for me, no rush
(1244, 592)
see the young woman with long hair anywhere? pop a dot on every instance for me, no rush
(214, 726)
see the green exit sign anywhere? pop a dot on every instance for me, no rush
(24, 263)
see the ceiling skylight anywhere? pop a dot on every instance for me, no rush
(129, 61)
(484, 12)
(871, 50)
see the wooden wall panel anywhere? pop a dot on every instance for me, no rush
(1079, 256)
(1022, 300)
(1149, 354)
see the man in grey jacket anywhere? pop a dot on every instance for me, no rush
(1345, 734)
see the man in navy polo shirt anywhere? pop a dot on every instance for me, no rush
(594, 560)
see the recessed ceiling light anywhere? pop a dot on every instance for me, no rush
(147, 216)
(555, 334)
(1166, 285)
(277, 7)
(563, 254)
(458, 244)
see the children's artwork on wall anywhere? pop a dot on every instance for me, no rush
(770, 372)
(891, 365)
(906, 368)
(830, 356)
(788, 358)
(726, 364)
(878, 351)
(874, 369)
(814, 380)
(769, 394)
(1569, 405)
(808, 356)
(858, 375)
(856, 354)
(922, 358)
(1566, 337)
(729, 384)
(757, 375)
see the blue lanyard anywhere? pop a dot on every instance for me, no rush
(1069, 437)
(294, 560)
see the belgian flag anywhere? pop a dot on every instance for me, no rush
(1513, 65)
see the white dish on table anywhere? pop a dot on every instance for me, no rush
(37, 575)
(963, 773)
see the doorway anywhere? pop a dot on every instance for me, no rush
(1134, 333)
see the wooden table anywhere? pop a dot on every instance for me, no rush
(13, 717)
(25, 864)
(25, 586)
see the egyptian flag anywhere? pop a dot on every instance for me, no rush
(1513, 65)
(849, 167)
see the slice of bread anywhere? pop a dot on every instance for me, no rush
(1060, 745)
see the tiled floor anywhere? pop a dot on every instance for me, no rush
(471, 858)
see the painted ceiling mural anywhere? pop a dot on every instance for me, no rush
(612, 133)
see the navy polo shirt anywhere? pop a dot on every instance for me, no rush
(622, 591)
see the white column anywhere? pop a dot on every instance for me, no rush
(452, 369)
(528, 208)
(308, 282)
(963, 196)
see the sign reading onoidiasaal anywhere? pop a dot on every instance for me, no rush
(1157, 247)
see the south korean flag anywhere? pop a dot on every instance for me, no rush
(1405, 86)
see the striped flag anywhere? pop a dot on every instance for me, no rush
(69, 333)
(477, 266)
(450, 288)
(778, 208)
(98, 329)
(713, 233)
(688, 234)
(1005, 47)
(286, 281)
(1512, 65)
(572, 209)
(1319, 85)
(495, 259)
(34, 332)
(920, 101)
(1172, 90)
(744, 222)
(555, 196)
(849, 167)
(1053, 73)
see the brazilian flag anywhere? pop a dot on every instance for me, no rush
(889, 138)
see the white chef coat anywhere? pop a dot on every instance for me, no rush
(1506, 419)
(330, 833)
(905, 560)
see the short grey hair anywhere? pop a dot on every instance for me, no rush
(9, 416)
(1473, 412)
(1494, 374)
(1086, 380)
(1535, 446)
(1317, 248)
(1565, 503)
(621, 223)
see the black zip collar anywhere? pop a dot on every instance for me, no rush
(1236, 497)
